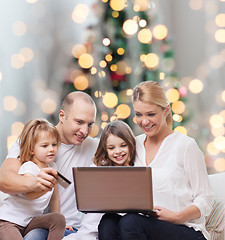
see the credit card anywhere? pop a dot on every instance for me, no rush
(63, 181)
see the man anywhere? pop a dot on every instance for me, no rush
(76, 119)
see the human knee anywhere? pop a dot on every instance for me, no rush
(107, 222)
(129, 221)
(59, 219)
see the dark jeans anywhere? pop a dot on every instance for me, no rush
(138, 227)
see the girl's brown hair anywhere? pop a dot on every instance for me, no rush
(122, 130)
(152, 93)
(29, 136)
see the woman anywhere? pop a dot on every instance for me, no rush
(181, 190)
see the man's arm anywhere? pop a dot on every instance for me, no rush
(11, 182)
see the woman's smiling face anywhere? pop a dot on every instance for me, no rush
(151, 118)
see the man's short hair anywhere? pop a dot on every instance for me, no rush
(73, 96)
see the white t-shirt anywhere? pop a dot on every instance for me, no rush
(20, 210)
(179, 176)
(69, 156)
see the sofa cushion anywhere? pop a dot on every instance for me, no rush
(215, 222)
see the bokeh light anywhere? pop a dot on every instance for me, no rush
(123, 111)
(172, 95)
(9, 103)
(94, 131)
(102, 64)
(48, 106)
(17, 128)
(140, 5)
(78, 50)
(86, 60)
(178, 107)
(196, 4)
(27, 54)
(151, 60)
(160, 31)
(103, 125)
(220, 35)
(81, 82)
(142, 23)
(218, 131)
(195, 86)
(130, 26)
(17, 61)
(104, 116)
(216, 120)
(219, 164)
(19, 28)
(181, 129)
(106, 42)
(177, 117)
(108, 57)
(118, 5)
(110, 99)
(120, 51)
(219, 142)
(211, 149)
(220, 20)
(80, 13)
(145, 36)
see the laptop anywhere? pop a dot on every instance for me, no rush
(113, 189)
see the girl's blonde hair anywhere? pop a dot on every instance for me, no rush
(122, 130)
(29, 136)
(152, 93)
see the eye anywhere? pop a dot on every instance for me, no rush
(124, 145)
(110, 148)
(44, 146)
(90, 124)
(137, 114)
(151, 114)
(54, 144)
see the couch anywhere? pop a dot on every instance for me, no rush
(215, 222)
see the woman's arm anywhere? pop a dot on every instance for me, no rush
(196, 172)
(189, 213)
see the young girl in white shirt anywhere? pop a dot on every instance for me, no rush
(20, 213)
(181, 191)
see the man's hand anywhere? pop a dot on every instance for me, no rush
(45, 180)
(42, 183)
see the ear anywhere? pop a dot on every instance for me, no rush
(61, 115)
(167, 109)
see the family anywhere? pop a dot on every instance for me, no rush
(181, 189)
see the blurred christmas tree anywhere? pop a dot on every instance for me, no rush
(128, 45)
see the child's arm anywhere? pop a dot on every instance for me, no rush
(54, 205)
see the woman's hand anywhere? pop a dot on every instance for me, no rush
(167, 215)
(186, 214)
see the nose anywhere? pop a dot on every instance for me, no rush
(51, 149)
(145, 121)
(84, 129)
(118, 150)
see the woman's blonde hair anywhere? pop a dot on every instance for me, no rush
(119, 129)
(152, 93)
(29, 136)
